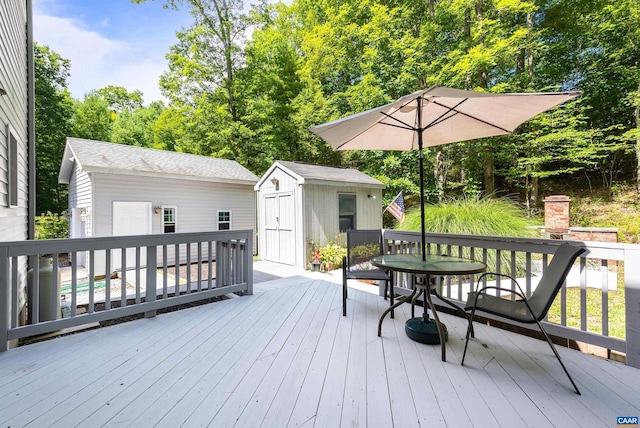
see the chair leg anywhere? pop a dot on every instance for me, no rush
(344, 286)
(391, 294)
(469, 333)
(553, 348)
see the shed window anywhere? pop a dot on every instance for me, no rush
(169, 219)
(12, 197)
(224, 220)
(347, 212)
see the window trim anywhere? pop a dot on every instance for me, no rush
(218, 219)
(175, 218)
(355, 211)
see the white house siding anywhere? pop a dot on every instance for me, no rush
(14, 220)
(321, 215)
(80, 197)
(13, 116)
(197, 203)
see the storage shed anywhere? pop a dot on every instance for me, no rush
(302, 205)
(116, 189)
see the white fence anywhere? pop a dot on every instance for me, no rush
(603, 267)
(144, 289)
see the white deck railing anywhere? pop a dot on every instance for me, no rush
(604, 267)
(148, 257)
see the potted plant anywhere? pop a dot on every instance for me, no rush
(316, 262)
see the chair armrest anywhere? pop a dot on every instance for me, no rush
(493, 287)
(478, 290)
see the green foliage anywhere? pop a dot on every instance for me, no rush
(331, 256)
(92, 118)
(52, 226)
(53, 112)
(364, 253)
(119, 99)
(617, 210)
(475, 216)
(472, 216)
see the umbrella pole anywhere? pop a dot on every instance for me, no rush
(419, 130)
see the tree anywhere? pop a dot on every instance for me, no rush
(92, 118)
(53, 112)
(136, 128)
(119, 99)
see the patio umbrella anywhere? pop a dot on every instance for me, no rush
(436, 116)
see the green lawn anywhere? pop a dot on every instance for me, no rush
(594, 310)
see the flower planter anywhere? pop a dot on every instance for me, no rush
(315, 266)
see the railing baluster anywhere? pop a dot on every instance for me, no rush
(14, 305)
(528, 273)
(199, 266)
(210, 265)
(107, 286)
(583, 294)
(176, 257)
(514, 273)
(123, 276)
(91, 281)
(165, 281)
(498, 270)
(138, 282)
(188, 268)
(55, 287)
(604, 271)
(74, 284)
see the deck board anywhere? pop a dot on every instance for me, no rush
(286, 356)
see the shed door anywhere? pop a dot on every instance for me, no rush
(130, 218)
(279, 228)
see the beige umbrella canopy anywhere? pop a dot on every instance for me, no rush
(436, 116)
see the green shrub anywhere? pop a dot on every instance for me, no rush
(331, 256)
(475, 216)
(52, 226)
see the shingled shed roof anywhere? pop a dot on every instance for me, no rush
(307, 172)
(100, 156)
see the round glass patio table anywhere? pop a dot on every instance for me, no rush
(440, 265)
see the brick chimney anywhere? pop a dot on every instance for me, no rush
(556, 214)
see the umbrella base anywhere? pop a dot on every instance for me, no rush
(424, 331)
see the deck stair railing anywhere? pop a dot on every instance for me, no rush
(147, 267)
(606, 267)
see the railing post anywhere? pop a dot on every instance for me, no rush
(5, 299)
(248, 264)
(150, 292)
(632, 305)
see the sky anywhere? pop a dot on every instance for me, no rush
(110, 42)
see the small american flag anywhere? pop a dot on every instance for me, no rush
(396, 208)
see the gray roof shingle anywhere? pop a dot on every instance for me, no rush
(99, 155)
(330, 173)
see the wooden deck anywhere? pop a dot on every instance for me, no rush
(286, 357)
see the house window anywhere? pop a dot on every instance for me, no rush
(224, 220)
(12, 197)
(169, 219)
(346, 212)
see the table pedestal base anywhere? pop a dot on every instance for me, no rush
(424, 331)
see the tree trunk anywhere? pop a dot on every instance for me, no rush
(637, 113)
(439, 173)
(490, 175)
(467, 37)
(530, 50)
(535, 188)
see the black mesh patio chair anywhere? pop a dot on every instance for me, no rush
(531, 310)
(362, 246)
